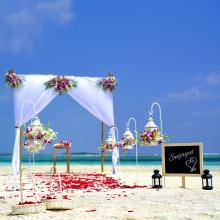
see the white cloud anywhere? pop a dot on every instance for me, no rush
(20, 27)
(58, 10)
(207, 113)
(212, 79)
(193, 94)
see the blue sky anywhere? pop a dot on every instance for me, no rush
(165, 51)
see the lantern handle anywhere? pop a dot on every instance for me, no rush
(151, 112)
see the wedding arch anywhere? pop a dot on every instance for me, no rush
(92, 93)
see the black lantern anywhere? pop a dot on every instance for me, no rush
(156, 180)
(207, 180)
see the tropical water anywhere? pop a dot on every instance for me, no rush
(210, 161)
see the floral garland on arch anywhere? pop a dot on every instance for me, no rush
(61, 84)
(154, 137)
(36, 137)
(108, 83)
(13, 80)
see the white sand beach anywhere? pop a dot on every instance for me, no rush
(171, 202)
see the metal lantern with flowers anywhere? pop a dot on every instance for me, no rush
(128, 141)
(152, 134)
(110, 143)
(37, 136)
(34, 136)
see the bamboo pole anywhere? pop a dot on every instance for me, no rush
(68, 159)
(102, 150)
(20, 147)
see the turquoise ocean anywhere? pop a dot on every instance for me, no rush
(211, 161)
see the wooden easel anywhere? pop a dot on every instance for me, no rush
(62, 146)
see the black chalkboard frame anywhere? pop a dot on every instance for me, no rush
(200, 145)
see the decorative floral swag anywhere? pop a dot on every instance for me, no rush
(108, 83)
(13, 80)
(61, 84)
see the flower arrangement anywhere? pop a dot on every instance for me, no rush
(66, 143)
(108, 83)
(61, 84)
(36, 137)
(13, 80)
(152, 137)
(109, 147)
(127, 143)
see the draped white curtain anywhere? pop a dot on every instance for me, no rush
(93, 98)
(33, 97)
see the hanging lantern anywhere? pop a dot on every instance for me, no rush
(156, 180)
(35, 122)
(33, 135)
(128, 140)
(207, 180)
(150, 126)
(151, 136)
(110, 143)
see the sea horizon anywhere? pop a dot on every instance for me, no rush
(211, 161)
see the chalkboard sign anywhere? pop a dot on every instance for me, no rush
(182, 159)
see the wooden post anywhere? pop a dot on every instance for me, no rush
(54, 159)
(102, 150)
(183, 182)
(68, 159)
(20, 147)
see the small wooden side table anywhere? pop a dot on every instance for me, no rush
(62, 146)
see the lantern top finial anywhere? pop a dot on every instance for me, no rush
(128, 134)
(35, 121)
(110, 140)
(206, 171)
(150, 126)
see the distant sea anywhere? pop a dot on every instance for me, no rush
(211, 161)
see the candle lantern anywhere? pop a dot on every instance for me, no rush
(128, 140)
(207, 180)
(110, 143)
(36, 143)
(156, 180)
(150, 126)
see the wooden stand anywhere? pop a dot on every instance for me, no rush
(183, 182)
(61, 146)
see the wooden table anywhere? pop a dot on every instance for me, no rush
(62, 146)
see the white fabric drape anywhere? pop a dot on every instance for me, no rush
(16, 153)
(98, 102)
(115, 152)
(29, 101)
(33, 97)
